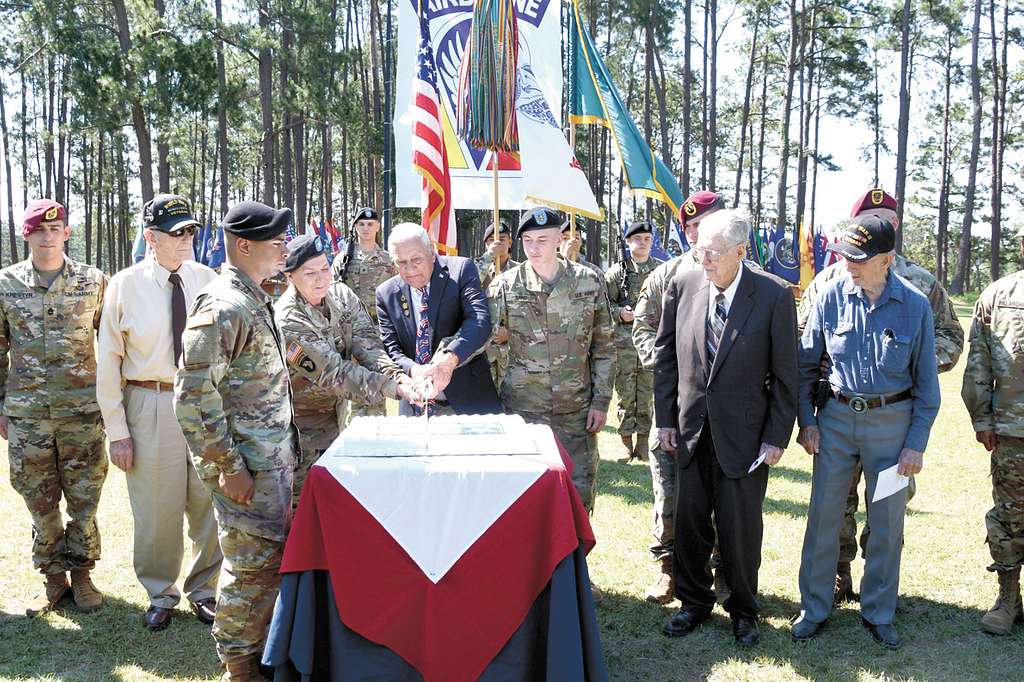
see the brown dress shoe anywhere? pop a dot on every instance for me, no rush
(627, 448)
(663, 590)
(157, 618)
(87, 597)
(54, 588)
(206, 610)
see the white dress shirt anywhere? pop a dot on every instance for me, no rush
(729, 293)
(417, 301)
(135, 341)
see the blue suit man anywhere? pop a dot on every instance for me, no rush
(448, 345)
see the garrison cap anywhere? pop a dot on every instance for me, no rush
(303, 248)
(256, 221)
(639, 227)
(168, 213)
(40, 210)
(540, 219)
(865, 236)
(874, 198)
(699, 203)
(503, 228)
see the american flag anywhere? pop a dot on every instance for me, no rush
(429, 157)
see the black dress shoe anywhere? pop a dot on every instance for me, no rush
(205, 610)
(745, 630)
(685, 622)
(804, 630)
(157, 618)
(885, 634)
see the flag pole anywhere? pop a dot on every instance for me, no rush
(495, 218)
(572, 146)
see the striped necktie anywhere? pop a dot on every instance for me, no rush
(716, 325)
(423, 331)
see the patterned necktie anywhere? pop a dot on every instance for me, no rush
(423, 331)
(716, 325)
(178, 314)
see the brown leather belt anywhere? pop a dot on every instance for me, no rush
(157, 386)
(859, 403)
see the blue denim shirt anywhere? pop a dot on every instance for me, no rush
(877, 349)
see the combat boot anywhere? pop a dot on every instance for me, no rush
(627, 443)
(242, 669)
(844, 584)
(663, 590)
(641, 450)
(1007, 610)
(87, 597)
(54, 588)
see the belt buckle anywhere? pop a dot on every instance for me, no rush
(858, 404)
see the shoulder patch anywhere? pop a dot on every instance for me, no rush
(199, 320)
(294, 351)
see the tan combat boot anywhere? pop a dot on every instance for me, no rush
(627, 445)
(242, 669)
(87, 597)
(1007, 609)
(54, 588)
(663, 590)
(844, 584)
(641, 450)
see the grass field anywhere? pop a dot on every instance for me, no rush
(945, 589)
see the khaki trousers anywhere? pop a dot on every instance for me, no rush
(163, 489)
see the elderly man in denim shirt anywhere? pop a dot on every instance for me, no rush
(878, 406)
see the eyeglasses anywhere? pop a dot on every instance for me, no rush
(700, 253)
(189, 231)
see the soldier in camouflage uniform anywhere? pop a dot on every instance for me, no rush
(49, 311)
(363, 268)
(325, 326)
(633, 384)
(949, 343)
(993, 391)
(560, 345)
(647, 317)
(233, 400)
(572, 245)
(491, 263)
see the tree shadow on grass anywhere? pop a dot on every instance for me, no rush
(941, 641)
(71, 644)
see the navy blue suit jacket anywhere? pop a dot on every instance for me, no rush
(456, 307)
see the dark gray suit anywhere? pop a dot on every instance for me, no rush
(723, 414)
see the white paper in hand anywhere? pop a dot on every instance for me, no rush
(889, 483)
(757, 462)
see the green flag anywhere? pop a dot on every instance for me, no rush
(593, 98)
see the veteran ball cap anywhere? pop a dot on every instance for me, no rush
(503, 228)
(864, 237)
(168, 213)
(540, 219)
(699, 203)
(39, 211)
(255, 221)
(303, 248)
(874, 198)
(639, 227)
(365, 213)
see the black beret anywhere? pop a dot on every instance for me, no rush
(255, 221)
(539, 219)
(168, 213)
(503, 228)
(638, 227)
(365, 213)
(303, 248)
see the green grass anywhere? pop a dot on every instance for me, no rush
(944, 585)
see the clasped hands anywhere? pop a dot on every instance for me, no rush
(425, 382)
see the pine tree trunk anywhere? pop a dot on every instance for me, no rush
(7, 174)
(687, 87)
(787, 108)
(903, 128)
(759, 211)
(138, 114)
(713, 94)
(942, 233)
(745, 116)
(61, 193)
(266, 73)
(998, 100)
(222, 119)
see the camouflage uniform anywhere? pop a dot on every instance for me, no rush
(367, 271)
(497, 354)
(993, 391)
(321, 343)
(233, 400)
(560, 357)
(633, 384)
(949, 343)
(663, 464)
(48, 394)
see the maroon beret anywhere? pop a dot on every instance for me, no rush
(39, 210)
(875, 198)
(698, 204)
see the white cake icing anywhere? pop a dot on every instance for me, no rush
(488, 434)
